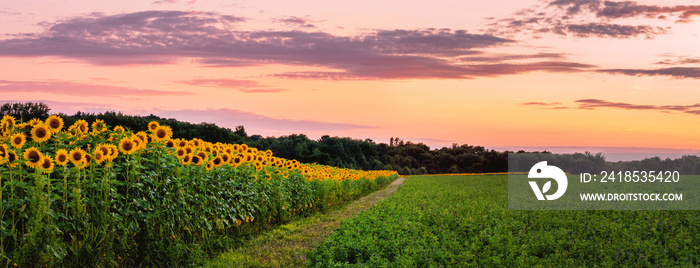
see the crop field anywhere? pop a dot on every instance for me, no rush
(448, 221)
(91, 195)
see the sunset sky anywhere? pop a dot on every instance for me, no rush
(504, 74)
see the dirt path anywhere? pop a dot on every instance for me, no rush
(286, 246)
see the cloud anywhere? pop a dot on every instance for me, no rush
(628, 9)
(246, 86)
(255, 123)
(610, 30)
(213, 39)
(295, 22)
(592, 104)
(678, 72)
(164, 2)
(591, 18)
(79, 89)
(542, 103)
(680, 61)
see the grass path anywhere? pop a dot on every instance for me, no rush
(286, 246)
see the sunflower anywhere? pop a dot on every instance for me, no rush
(88, 159)
(186, 159)
(11, 158)
(55, 123)
(6, 128)
(181, 152)
(17, 140)
(163, 133)
(153, 125)
(203, 155)
(258, 166)
(217, 161)
(210, 165)
(99, 156)
(80, 127)
(104, 148)
(170, 144)
(113, 151)
(47, 164)
(225, 157)
(61, 157)
(77, 157)
(40, 133)
(99, 125)
(237, 160)
(3, 150)
(35, 122)
(249, 158)
(33, 157)
(142, 136)
(182, 143)
(196, 160)
(127, 146)
(10, 120)
(138, 143)
(119, 129)
(189, 149)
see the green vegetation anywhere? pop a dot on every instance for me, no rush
(102, 197)
(287, 245)
(439, 221)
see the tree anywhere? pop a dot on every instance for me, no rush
(26, 111)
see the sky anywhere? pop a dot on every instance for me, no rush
(576, 75)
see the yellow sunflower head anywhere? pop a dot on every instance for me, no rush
(127, 146)
(181, 143)
(258, 165)
(80, 127)
(153, 125)
(210, 165)
(237, 160)
(3, 150)
(113, 151)
(33, 157)
(180, 152)
(5, 129)
(170, 144)
(40, 133)
(17, 140)
(77, 157)
(99, 156)
(88, 159)
(186, 159)
(47, 164)
(11, 158)
(35, 122)
(217, 161)
(55, 123)
(62, 157)
(10, 120)
(225, 157)
(119, 129)
(163, 133)
(196, 160)
(99, 125)
(203, 155)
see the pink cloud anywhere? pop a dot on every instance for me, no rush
(80, 89)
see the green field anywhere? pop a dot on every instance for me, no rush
(447, 221)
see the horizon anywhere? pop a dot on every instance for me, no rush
(598, 76)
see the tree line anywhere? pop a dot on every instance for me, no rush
(405, 157)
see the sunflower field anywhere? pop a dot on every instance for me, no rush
(93, 195)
